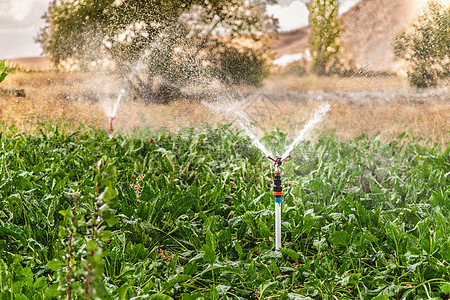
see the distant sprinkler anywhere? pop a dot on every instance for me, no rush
(278, 192)
(111, 126)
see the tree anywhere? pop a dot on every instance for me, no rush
(160, 46)
(325, 33)
(426, 46)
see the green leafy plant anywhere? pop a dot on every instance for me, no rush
(190, 215)
(83, 237)
(3, 70)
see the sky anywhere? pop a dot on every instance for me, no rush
(293, 14)
(20, 21)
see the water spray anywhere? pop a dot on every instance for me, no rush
(112, 114)
(278, 192)
(237, 114)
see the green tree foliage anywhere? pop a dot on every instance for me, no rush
(426, 46)
(3, 70)
(325, 33)
(161, 46)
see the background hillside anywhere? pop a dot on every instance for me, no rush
(31, 63)
(367, 30)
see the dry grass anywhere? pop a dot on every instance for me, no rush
(64, 98)
(426, 122)
(312, 82)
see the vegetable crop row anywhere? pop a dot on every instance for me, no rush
(190, 216)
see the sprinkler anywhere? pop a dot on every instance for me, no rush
(278, 192)
(111, 126)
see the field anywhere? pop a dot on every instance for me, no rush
(189, 215)
(178, 204)
(383, 106)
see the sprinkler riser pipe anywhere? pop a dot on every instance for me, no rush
(277, 222)
(277, 188)
(278, 193)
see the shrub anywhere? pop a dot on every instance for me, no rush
(344, 67)
(296, 70)
(426, 46)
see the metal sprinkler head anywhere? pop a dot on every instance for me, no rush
(278, 161)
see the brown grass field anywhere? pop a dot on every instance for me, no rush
(376, 107)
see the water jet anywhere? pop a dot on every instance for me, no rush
(111, 113)
(237, 113)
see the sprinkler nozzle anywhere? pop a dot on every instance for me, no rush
(278, 160)
(288, 158)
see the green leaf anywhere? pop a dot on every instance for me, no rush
(190, 268)
(354, 278)
(390, 290)
(267, 287)
(109, 217)
(291, 253)
(294, 296)
(265, 230)
(210, 240)
(108, 194)
(55, 264)
(208, 254)
(445, 288)
(315, 185)
(3, 70)
(393, 231)
(193, 296)
(40, 283)
(222, 289)
(63, 232)
(106, 235)
(90, 245)
(251, 271)
(213, 292)
(65, 213)
(341, 238)
(321, 244)
(14, 231)
(381, 297)
(370, 237)
(177, 279)
(52, 290)
(160, 297)
(238, 248)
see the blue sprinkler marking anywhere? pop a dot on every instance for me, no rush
(278, 200)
